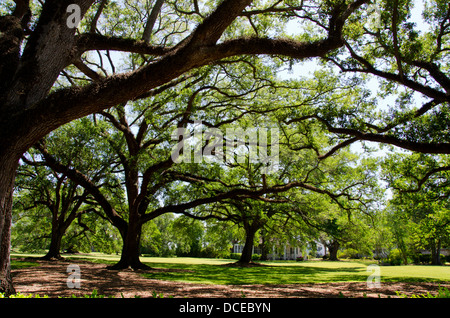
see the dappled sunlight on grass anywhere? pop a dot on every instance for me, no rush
(15, 264)
(290, 273)
(185, 260)
(217, 271)
(415, 273)
(201, 271)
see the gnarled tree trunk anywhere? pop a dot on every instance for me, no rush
(131, 247)
(8, 166)
(435, 252)
(247, 252)
(54, 251)
(333, 247)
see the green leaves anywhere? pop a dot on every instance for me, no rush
(420, 201)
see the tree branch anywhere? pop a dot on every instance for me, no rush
(94, 21)
(47, 51)
(86, 70)
(68, 104)
(438, 148)
(421, 181)
(81, 179)
(151, 21)
(89, 42)
(212, 28)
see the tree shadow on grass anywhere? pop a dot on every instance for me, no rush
(267, 281)
(258, 274)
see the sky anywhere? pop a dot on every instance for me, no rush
(308, 67)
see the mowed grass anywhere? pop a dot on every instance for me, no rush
(292, 273)
(218, 271)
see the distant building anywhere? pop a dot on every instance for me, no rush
(285, 251)
(443, 251)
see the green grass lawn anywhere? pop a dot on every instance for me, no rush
(17, 264)
(292, 273)
(215, 271)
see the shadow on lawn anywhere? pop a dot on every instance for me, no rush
(168, 279)
(267, 274)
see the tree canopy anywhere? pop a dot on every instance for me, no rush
(142, 66)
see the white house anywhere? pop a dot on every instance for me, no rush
(284, 251)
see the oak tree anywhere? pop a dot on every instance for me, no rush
(39, 41)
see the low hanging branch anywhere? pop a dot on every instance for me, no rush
(197, 50)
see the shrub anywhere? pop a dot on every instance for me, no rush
(443, 292)
(395, 257)
(425, 258)
(19, 295)
(416, 258)
(235, 255)
(208, 252)
(348, 253)
(94, 294)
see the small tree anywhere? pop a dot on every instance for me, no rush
(65, 200)
(62, 198)
(421, 189)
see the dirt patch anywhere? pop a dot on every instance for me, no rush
(50, 278)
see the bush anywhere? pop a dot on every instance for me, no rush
(395, 257)
(415, 258)
(348, 253)
(420, 258)
(442, 293)
(299, 259)
(209, 252)
(425, 258)
(235, 255)
(19, 295)
(256, 257)
(94, 294)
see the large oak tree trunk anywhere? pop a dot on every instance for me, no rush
(264, 249)
(131, 247)
(26, 80)
(54, 251)
(247, 252)
(435, 252)
(333, 247)
(8, 166)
